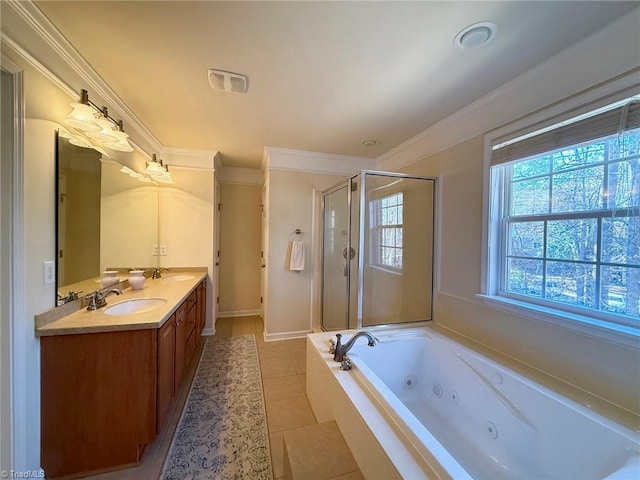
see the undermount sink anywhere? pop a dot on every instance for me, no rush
(136, 305)
(179, 278)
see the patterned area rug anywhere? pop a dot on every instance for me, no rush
(222, 433)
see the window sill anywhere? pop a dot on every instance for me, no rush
(386, 269)
(619, 334)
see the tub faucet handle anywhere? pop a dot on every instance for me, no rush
(346, 363)
(332, 346)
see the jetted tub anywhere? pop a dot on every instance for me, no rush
(461, 415)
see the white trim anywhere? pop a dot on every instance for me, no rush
(273, 337)
(592, 327)
(9, 415)
(18, 328)
(241, 176)
(529, 91)
(185, 157)
(314, 162)
(207, 332)
(239, 313)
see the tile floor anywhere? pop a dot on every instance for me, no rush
(283, 366)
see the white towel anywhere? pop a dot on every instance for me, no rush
(297, 256)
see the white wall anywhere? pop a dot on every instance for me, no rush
(291, 206)
(128, 220)
(39, 246)
(186, 225)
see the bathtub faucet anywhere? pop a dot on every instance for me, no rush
(341, 350)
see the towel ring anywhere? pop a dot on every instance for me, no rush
(296, 234)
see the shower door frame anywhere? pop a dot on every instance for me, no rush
(336, 188)
(361, 245)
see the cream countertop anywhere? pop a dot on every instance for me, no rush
(84, 321)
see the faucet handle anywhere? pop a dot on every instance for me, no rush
(332, 346)
(346, 363)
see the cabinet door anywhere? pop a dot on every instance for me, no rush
(191, 321)
(181, 338)
(166, 369)
(201, 306)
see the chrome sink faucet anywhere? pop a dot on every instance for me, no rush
(157, 272)
(341, 350)
(98, 298)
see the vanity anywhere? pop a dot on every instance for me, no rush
(109, 377)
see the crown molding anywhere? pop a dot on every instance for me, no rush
(274, 158)
(51, 36)
(186, 157)
(607, 53)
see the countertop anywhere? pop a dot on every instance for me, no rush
(84, 321)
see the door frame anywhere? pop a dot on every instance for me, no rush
(13, 448)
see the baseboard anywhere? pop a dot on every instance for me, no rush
(272, 337)
(239, 313)
(206, 332)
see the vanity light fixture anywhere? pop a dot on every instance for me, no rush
(96, 124)
(158, 171)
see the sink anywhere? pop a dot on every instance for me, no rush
(136, 305)
(179, 278)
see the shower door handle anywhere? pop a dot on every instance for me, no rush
(352, 253)
(346, 269)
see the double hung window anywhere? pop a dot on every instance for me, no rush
(387, 217)
(566, 217)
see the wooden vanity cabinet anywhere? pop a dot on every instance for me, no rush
(105, 396)
(98, 400)
(178, 341)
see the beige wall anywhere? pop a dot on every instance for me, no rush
(601, 368)
(240, 235)
(291, 205)
(186, 225)
(128, 220)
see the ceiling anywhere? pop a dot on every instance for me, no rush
(323, 76)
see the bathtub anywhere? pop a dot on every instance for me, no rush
(436, 409)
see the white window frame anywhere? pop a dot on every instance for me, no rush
(611, 92)
(376, 260)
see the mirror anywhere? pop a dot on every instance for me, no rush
(104, 219)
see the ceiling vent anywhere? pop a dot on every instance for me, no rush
(228, 81)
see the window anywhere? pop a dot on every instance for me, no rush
(568, 219)
(386, 214)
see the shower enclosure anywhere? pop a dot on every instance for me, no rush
(377, 251)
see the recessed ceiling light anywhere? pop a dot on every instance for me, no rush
(475, 36)
(369, 143)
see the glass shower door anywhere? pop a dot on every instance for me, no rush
(335, 269)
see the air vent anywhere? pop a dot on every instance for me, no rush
(228, 81)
